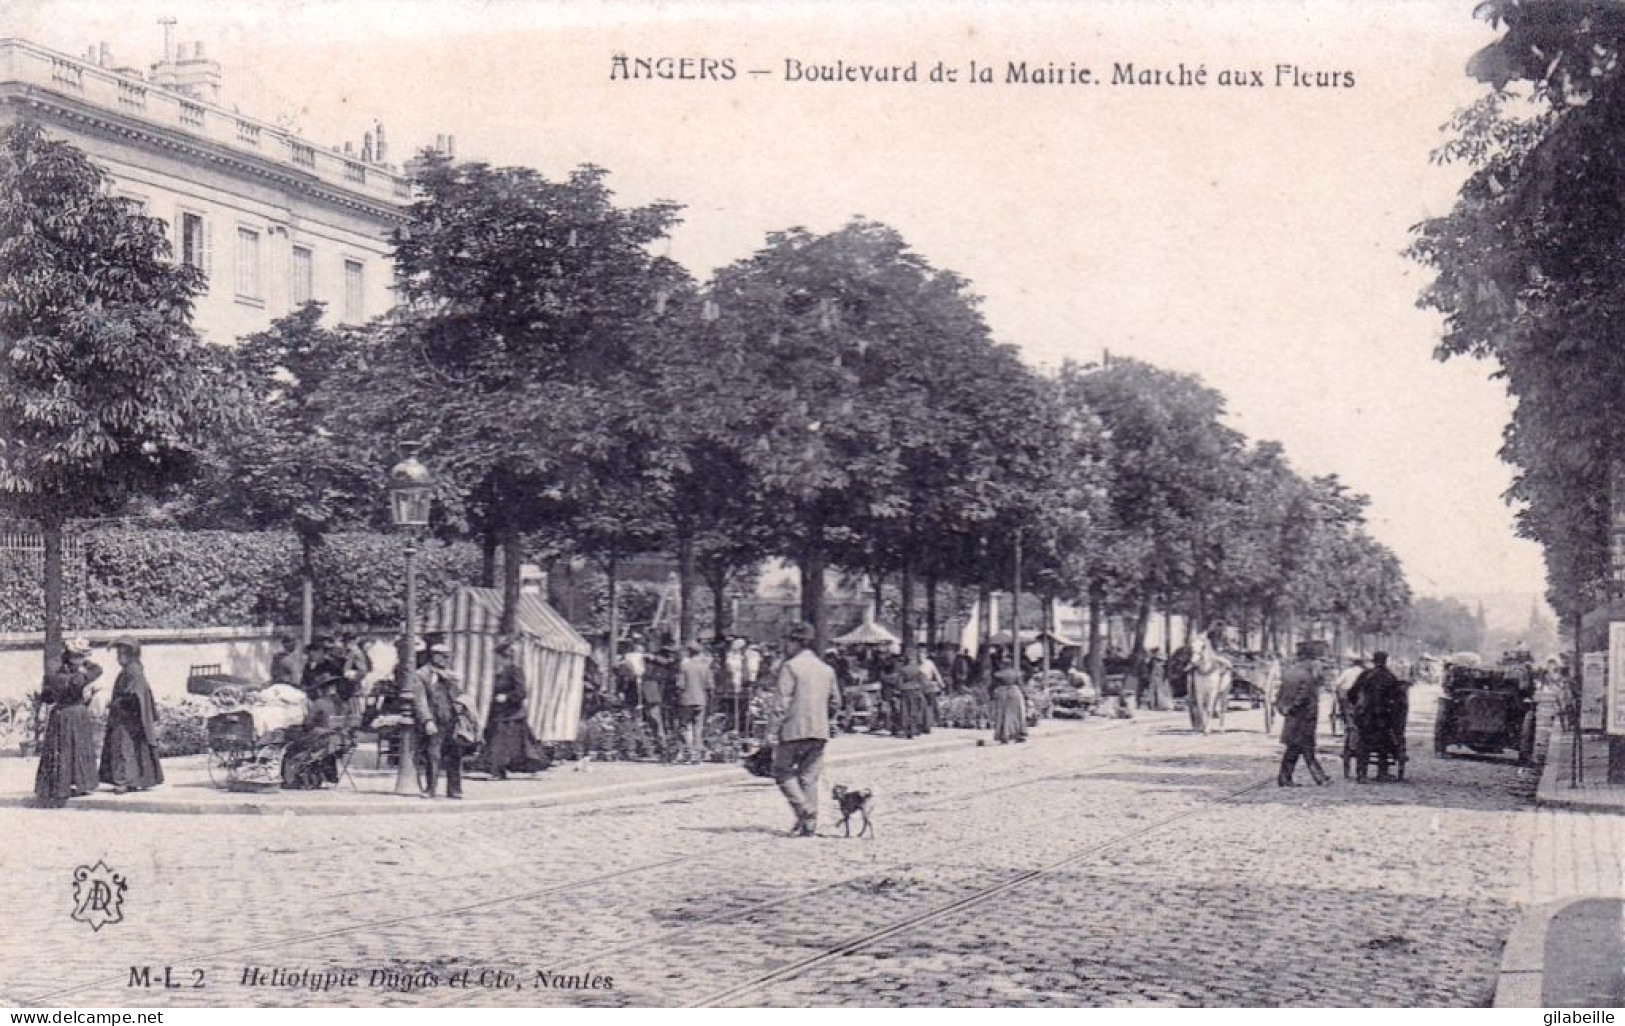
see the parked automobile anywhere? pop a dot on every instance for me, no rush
(1487, 710)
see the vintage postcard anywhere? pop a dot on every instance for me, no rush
(881, 504)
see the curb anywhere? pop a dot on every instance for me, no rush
(1554, 790)
(1519, 982)
(380, 805)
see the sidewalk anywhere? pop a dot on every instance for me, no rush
(369, 789)
(1568, 950)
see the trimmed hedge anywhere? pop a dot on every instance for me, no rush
(134, 578)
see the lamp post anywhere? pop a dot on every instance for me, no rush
(411, 488)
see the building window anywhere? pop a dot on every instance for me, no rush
(194, 241)
(66, 73)
(248, 263)
(354, 292)
(302, 288)
(191, 115)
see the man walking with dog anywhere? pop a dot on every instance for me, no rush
(799, 726)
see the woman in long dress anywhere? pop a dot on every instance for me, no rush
(130, 751)
(1009, 708)
(67, 762)
(509, 745)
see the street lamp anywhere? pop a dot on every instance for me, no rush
(411, 490)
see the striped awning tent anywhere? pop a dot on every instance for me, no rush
(550, 652)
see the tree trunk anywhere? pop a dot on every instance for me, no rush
(307, 588)
(488, 558)
(610, 568)
(931, 611)
(720, 620)
(51, 536)
(1142, 627)
(813, 562)
(1015, 607)
(1047, 628)
(910, 643)
(879, 582)
(512, 556)
(1097, 654)
(984, 631)
(685, 586)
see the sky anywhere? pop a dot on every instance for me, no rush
(1251, 235)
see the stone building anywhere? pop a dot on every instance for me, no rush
(271, 218)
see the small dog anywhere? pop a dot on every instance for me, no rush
(854, 803)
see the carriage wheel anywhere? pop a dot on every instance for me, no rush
(213, 756)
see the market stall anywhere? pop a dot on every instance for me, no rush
(549, 651)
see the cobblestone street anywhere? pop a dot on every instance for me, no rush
(1107, 862)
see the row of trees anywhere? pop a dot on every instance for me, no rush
(833, 400)
(1529, 275)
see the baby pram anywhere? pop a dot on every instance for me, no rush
(239, 758)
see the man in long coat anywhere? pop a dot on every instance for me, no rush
(799, 726)
(436, 694)
(1380, 703)
(1298, 702)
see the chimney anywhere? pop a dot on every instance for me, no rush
(381, 152)
(439, 143)
(169, 38)
(451, 146)
(366, 148)
(104, 56)
(349, 149)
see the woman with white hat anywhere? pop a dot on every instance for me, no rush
(67, 762)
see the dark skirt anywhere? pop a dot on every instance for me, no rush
(312, 758)
(128, 759)
(1009, 713)
(67, 761)
(510, 748)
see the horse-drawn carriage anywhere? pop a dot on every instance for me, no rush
(1488, 710)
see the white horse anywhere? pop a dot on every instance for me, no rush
(1210, 685)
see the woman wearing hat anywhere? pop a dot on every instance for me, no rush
(67, 761)
(508, 744)
(130, 750)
